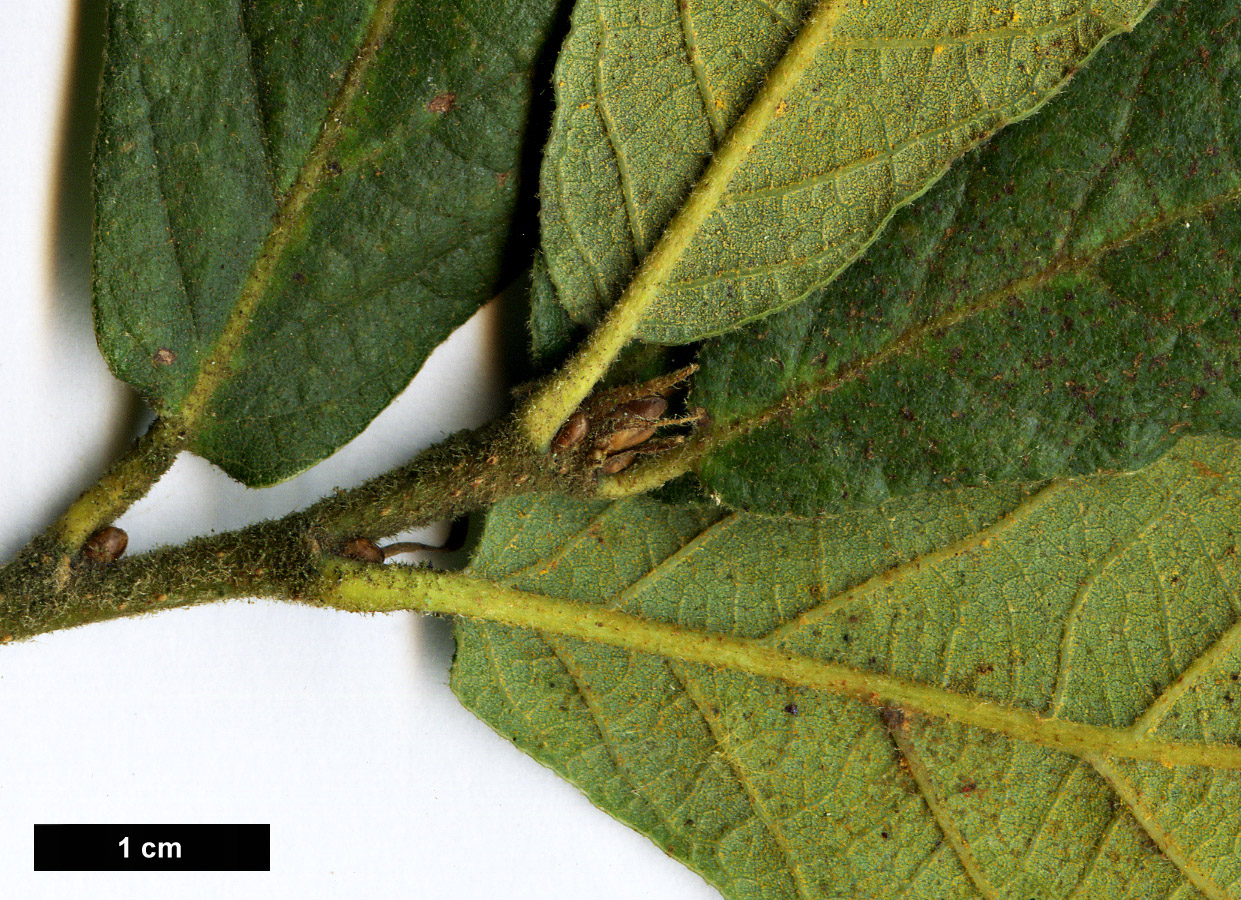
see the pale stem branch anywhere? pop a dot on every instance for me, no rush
(126, 482)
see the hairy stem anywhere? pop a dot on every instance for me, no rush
(126, 482)
(469, 471)
(270, 559)
(130, 478)
(42, 590)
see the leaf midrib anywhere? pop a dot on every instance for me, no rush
(355, 587)
(554, 402)
(216, 366)
(910, 340)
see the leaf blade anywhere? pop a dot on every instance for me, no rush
(1062, 302)
(599, 223)
(980, 620)
(390, 162)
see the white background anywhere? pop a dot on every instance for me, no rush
(338, 730)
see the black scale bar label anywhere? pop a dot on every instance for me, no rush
(151, 848)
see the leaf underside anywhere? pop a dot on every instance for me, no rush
(1064, 301)
(646, 92)
(1109, 601)
(209, 111)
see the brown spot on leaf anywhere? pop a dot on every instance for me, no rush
(441, 103)
(165, 357)
(1204, 469)
(893, 718)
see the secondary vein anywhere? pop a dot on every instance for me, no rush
(1192, 869)
(800, 396)
(898, 726)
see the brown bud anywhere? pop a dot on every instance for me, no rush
(106, 545)
(363, 550)
(623, 439)
(649, 408)
(614, 464)
(571, 432)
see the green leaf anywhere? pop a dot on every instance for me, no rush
(1064, 301)
(981, 693)
(800, 147)
(297, 202)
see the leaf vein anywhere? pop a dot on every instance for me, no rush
(1193, 870)
(976, 123)
(263, 111)
(1068, 645)
(402, 587)
(216, 366)
(1096, 857)
(1120, 137)
(950, 41)
(775, 14)
(804, 393)
(632, 211)
(545, 564)
(598, 718)
(757, 803)
(1070, 774)
(661, 569)
(178, 250)
(692, 51)
(1219, 651)
(897, 727)
(1027, 507)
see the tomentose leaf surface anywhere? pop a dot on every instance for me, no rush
(297, 202)
(807, 124)
(1064, 301)
(989, 692)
